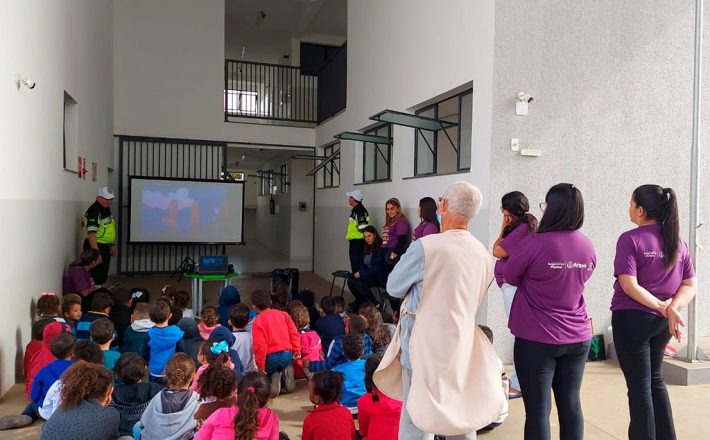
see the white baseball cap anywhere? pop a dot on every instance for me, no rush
(106, 193)
(355, 194)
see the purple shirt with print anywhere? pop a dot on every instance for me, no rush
(509, 244)
(425, 228)
(550, 270)
(76, 279)
(639, 253)
(390, 233)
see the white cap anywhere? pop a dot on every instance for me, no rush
(106, 193)
(355, 194)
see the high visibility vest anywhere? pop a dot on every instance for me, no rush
(359, 218)
(106, 234)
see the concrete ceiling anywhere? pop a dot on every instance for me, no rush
(266, 27)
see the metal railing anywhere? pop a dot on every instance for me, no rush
(269, 91)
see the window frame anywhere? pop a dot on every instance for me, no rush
(373, 131)
(283, 179)
(266, 182)
(435, 144)
(331, 168)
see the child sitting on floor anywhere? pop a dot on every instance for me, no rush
(208, 322)
(170, 414)
(62, 347)
(329, 420)
(100, 308)
(330, 325)
(182, 300)
(71, 310)
(356, 325)
(161, 342)
(378, 415)
(212, 352)
(135, 334)
(310, 341)
(217, 385)
(102, 333)
(48, 306)
(32, 348)
(353, 370)
(239, 318)
(120, 314)
(133, 393)
(249, 419)
(228, 298)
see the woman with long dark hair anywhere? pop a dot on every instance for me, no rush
(370, 272)
(517, 225)
(655, 280)
(429, 223)
(549, 316)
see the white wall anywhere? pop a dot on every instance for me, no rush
(62, 46)
(396, 50)
(301, 190)
(169, 74)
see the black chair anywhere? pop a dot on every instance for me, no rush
(344, 274)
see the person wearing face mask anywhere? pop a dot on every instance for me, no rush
(370, 273)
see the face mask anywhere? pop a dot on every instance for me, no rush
(438, 218)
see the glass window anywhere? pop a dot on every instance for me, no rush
(377, 157)
(330, 174)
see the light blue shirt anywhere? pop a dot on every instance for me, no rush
(408, 277)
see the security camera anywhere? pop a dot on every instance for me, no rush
(20, 81)
(524, 97)
(29, 83)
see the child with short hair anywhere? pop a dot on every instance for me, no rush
(353, 370)
(356, 325)
(330, 325)
(249, 419)
(132, 395)
(280, 295)
(276, 342)
(120, 313)
(243, 344)
(161, 341)
(378, 414)
(100, 308)
(340, 306)
(212, 352)
(170, 414)
(217, 385)
(62, 347)
(33, 347)
(102, 333)
(83, 413)
(182, 300)
(208, 322)
(48, 306)
(71, 310)
(135, 334)
(310, 341)
(329, 420)
(308, 298)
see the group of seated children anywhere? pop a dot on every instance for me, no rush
(152, 371)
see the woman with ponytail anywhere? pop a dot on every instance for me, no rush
(655, 280)
(378, 414)
(83, 413)
(249, 419)
(518, 224)
(549, 316)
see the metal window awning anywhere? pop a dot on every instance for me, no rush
(308, 157)
(324, 162)
(360, 137)
(417, 122)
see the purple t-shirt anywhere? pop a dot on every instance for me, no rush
(509, 244)
(76, 279)
(639, 252)
(550, 270)
(390, 233)
(424, 229)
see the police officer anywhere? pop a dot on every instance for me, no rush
(101, 232)
(359, 218)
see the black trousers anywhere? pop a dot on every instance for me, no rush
(100, 272)
(640, 339)
(357, 252)
(560, 367)
(360, 288)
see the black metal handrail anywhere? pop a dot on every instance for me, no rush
(269, 91)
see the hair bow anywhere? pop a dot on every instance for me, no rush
(136, 294)
(49, 294)
(219, 347)
(250, 389)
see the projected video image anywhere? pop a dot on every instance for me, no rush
(186, 212)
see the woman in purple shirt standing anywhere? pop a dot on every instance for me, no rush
(517, 225)
(549, 316)
(395, 233)
(655, 279)
(429, 224)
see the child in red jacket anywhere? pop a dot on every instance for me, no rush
(34, 347)
(329, 420)
(378, 414)
(276, 342)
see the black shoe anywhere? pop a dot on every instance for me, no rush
(15, 422)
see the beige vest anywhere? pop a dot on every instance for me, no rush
(455, 375)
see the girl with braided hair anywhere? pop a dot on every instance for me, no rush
(378, 414)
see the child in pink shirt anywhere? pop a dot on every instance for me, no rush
(310, 341)
(211, 352)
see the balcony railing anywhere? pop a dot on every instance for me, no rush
(269, 91)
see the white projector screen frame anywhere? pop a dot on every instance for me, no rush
(136, 209)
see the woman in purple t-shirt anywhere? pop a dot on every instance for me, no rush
(429, 224)
(655, 279)
(396, 232)
(549, 316)
(77, 278)
(518, 223)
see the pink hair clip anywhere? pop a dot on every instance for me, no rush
(250, 389)
(49, 294)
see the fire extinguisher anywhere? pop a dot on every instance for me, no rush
(272, 206)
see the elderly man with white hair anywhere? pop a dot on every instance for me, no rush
(440, 364)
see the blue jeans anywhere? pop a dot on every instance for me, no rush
(31, 410)
(278, 361)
